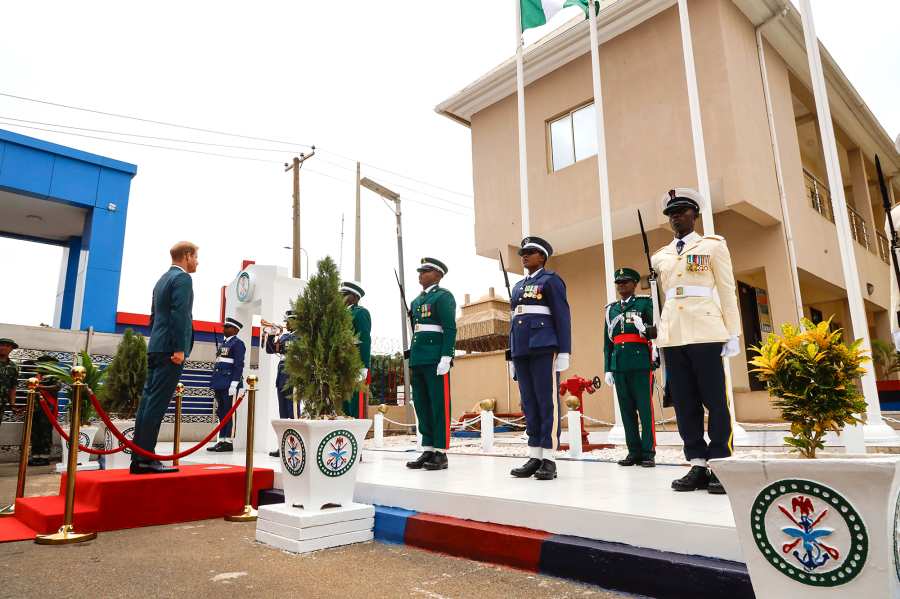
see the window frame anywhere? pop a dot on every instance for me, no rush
(568, 114)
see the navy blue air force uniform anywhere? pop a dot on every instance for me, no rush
(227, 376)
(540, 330)
(278, 345)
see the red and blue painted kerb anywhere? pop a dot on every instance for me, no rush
(609, 565)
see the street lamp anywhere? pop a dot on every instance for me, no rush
(404, 311)
(306, 255)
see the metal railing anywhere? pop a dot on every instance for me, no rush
(858, 227)
(819, 195)
(884, 247)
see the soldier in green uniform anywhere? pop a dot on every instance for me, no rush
(362, 327)
(433, 317)
(41, 429)
(9, 375)
(628, 366)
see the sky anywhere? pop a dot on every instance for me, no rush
(359, 80)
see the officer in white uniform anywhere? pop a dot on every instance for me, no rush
(699, 325)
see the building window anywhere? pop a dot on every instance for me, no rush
(573, 137)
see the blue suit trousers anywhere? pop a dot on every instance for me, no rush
(223, 406)
(539, 391)
(285, 396)
(162, 377)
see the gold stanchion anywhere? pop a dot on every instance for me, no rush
(10, 510)
(248, 514)
(66, 535)
(179, 393)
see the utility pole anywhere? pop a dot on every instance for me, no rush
(295, 166)
(357, 255)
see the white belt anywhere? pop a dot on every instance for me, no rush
(689, 291)
(429, 328)
(225, 360)
(523, 309)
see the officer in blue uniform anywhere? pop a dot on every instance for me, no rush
(540, 342)
(227, 379)
(277, 344)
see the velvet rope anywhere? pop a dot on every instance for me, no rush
(147, 454)
(62, 433)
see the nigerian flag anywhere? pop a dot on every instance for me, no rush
(537, 12)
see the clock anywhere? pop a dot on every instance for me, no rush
(245, 286)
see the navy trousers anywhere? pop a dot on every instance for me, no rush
(223, 406)
(162, 377)
(285, 396)
(539, 390)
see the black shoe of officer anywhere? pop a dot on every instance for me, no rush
(215, 447)
(696, 478)
(547, 471)
(225, 446)
(438, 461)
(420, 461)
(648, 462)
(715, 485)
(33, 461)
(630, 460)
(527, 469)
(275, 454)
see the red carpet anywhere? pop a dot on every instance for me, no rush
(114, 499)
(13, 530)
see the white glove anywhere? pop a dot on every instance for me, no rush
(896, 336)
(610, 379)
(638, 322)
(232, 389)
(443, 366)
(512, 370)
(363, 373)
(562, 362)
(731, 347)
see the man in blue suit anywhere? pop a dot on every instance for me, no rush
(226, 379)
(540, 343)
(171, 341)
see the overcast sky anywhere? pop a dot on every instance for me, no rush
(357, 79)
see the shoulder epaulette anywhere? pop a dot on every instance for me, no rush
(716, 237)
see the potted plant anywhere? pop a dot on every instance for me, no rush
(94, 378)
(815, 524)
(122, 392)
(320, 450)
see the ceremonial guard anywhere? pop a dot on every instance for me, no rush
(277, 343)
(362, 328)
(628, 366)
(227, 379)
(540, 343)
(41, 429)
(433, 319)
(9, 375)
(696, 331)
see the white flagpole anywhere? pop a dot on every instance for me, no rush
(617, 434)
(520, 97)
(690, 72)
(875, 429)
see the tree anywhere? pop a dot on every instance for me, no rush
(323, 361)
(125, 377)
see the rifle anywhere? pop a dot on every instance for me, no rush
(895, 242)
(405, 308)
(656, 298)
(509, 292)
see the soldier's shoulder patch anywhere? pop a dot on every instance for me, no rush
(643, 296)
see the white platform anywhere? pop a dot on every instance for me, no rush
(301, 531)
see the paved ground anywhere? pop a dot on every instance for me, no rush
(213, 558)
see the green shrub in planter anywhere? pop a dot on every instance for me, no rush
(94, 378)
(125, 377)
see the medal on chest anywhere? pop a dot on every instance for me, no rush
(223, 352)
(425, 311)
(697, 262)
(533, 292)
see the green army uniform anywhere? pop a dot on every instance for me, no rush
(433, 315)
(9, 378)
(627, 356)
(41, 429)
(355, 405)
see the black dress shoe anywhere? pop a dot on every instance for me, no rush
(150, 468)
(275, 454)
(527, 469)
(715, 485)
(630, 460)
(224, 446)
(38, 461)
(696, 478)
(215, 447)
(648, 463)
(419, 462)
(547, 471)
(438, 461)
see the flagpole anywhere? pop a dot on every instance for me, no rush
(617, 434)
(875, 429)
(520, 97)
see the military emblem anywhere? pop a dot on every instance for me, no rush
(697, 262)
(293, 452)
(110, 442)
(809, 532)
(337, 453)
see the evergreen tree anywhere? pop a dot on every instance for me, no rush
(323, 361)
(125, 376)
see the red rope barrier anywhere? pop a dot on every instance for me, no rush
(65, 436)
(147, 454)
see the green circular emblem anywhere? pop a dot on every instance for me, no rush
(337, 453)
(809, 532)
(293, 452)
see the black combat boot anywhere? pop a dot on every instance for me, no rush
(696, 478)
(438, 461)
(715, 485)
(648, 462)
(547, 470)
(420, 461)
(527, 469)
(630, 460)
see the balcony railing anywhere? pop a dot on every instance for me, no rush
(858, 227)
(819, 195)
(884, 247)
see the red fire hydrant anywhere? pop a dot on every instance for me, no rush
(576, 386)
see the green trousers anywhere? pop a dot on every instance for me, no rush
(41, 432)
(633, 388)
(431, 397)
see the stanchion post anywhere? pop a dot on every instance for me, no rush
(179, 394)
(379, 425)
(575, 421)
(248, 514)
(66, 535)
(487, 424)
(10, 510)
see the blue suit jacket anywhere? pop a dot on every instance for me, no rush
(540, 333)
(229, 364)
(171, 322)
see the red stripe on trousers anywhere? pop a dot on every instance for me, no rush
(652, 413)
(361, 413)
(447, 408)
